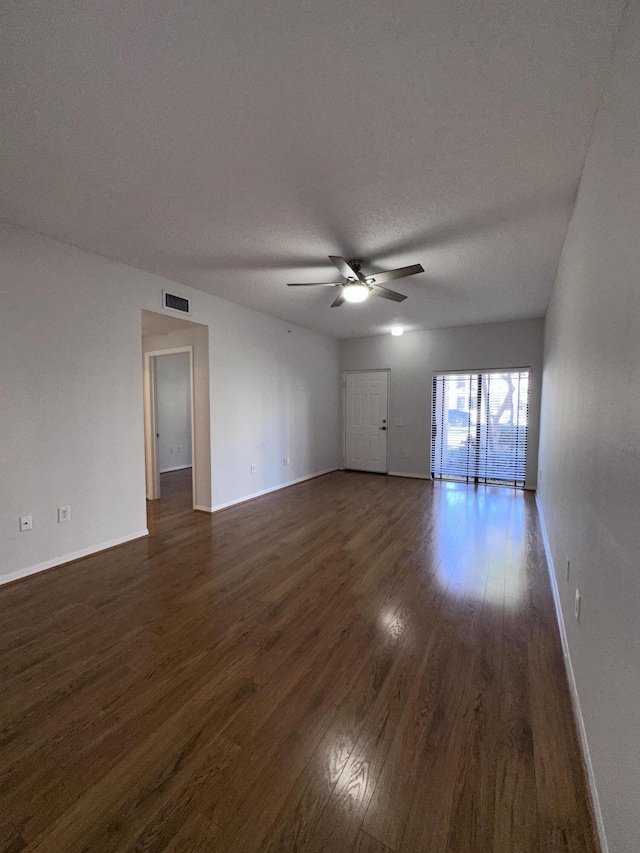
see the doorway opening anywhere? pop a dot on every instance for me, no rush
(176, 409)
(170, 374)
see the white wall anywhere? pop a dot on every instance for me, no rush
(275, 393)
(173, 380)
(70, 384)
(71, 414)
(590, 442)
(416, 356)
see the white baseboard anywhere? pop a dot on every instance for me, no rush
(267, 491)
(69, 558)
(573, 687)
(203, 508)
(408, 474)
(176, 468)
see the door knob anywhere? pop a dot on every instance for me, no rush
(381, 427)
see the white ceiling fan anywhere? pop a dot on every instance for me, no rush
(357, 286)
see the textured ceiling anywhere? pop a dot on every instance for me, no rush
(232, 145)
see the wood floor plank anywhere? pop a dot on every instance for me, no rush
(515, 815)
(473, 807)
(338, 825)
(356, 664)
(281, 747)
(11, 839)
(437, 776)
(419, 731)
(195, 834)
(295, 824)
(124, 788)
(366, 844)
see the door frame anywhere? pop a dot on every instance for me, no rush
(386, 370)
(150, 395)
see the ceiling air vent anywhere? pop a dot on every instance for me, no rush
(175, 303)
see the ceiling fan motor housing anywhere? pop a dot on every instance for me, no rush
(355, 286)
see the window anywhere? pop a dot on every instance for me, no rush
(485, 439)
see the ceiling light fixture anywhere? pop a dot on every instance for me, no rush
(355, 287)
(396, 331)
(355, 292)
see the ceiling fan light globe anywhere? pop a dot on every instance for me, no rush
(355, 292)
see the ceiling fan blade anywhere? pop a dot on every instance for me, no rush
(338, 300)
(389, 275)
(344, 268)
(316, 284)
(387, 294)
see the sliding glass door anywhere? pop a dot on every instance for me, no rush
(479, 425)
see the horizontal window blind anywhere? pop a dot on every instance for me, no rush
(479, 424)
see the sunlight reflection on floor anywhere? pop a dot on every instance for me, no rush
(479, 551)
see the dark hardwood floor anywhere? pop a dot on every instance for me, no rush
(172, 482)
(356, 664)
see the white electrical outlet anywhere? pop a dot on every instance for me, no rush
(398, 422)
(576, 608)
(405, 453)
(26, 523)
(254, 468)
(179, 448)
(64, 514)
(568, 567)
(285, 460)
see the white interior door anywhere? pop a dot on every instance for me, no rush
(367, 421)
